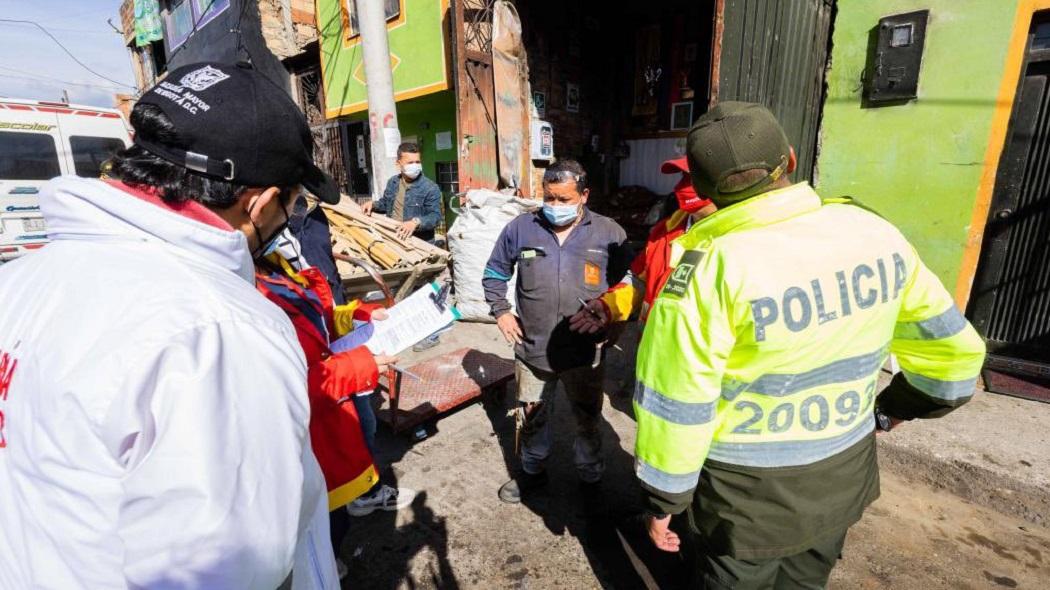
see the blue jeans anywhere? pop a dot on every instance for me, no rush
(367, 416)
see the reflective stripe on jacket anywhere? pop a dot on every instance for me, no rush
(764, 346)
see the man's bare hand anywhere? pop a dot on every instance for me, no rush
(586, 322)
(383, 361)
(407, 229)
(380, 314)
(510, 325)
(661, 534)
(367, 207)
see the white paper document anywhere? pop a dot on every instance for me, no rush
(413, 319)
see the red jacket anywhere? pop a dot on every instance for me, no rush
(335, 429)
(649, 271)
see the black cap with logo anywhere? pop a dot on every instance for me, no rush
(234, 124)
(733, 137)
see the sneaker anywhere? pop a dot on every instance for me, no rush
(427, 343)
(340, 568)
(385, 498)
(523, 483)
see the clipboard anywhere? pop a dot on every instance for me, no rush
(411, 320)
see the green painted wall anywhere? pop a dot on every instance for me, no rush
(423, 118)
(417, 54)
(918, 164)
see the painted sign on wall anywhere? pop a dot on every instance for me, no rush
(418, 52)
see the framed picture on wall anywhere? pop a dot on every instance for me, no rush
(539, 99)
(682, 115)
(572, 97)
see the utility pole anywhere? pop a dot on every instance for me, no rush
(382, 113)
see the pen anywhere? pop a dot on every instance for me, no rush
(589, 310)
(405, 372)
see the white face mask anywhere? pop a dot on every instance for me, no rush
(412, 170)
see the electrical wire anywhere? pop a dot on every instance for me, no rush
(57, 83)
(68, 52)
(84, 31)
(40, 77)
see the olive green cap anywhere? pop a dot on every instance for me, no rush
(734, 137)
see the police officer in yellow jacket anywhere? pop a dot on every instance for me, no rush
(757, 373)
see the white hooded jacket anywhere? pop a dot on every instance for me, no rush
(153, 409)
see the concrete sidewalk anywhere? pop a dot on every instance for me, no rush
(994, 451)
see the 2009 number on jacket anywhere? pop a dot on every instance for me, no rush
(848, 405)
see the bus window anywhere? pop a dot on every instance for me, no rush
(89, 153)
(28, 156)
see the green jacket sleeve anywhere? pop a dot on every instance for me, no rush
(939, 352)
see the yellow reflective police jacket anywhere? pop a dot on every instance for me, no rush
(764, 347)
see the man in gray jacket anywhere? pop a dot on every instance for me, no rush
(563, 254)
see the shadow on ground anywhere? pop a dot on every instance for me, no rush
(378, 552)
(609, 527)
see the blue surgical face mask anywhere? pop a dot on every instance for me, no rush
(560, 215)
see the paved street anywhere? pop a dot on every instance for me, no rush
(458, 534)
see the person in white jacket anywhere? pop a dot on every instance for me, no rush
(153, 408)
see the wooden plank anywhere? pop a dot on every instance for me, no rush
(477, 56)
(409, 283)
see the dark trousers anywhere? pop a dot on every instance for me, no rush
(808, 570)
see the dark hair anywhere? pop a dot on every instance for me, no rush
(566, 170)
(176, 184)
(746, 179)
(407, 148)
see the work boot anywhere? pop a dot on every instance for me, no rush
(523, 483)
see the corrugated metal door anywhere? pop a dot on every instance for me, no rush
(1010, 305)
(775, 52)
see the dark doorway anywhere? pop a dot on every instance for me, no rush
(1010, 306)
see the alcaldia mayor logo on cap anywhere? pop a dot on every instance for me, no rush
(203, 78)
(182, 93)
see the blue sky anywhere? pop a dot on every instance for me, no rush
(33, 66)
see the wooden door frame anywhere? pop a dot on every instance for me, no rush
(467, 64)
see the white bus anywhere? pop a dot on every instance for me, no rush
(39, 141)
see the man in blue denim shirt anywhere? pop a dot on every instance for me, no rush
(410, 197)
(563, 255)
